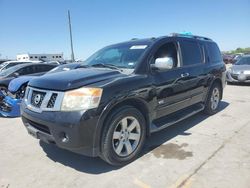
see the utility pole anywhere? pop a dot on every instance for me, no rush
(71, 41)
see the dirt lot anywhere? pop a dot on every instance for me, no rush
(199, 152)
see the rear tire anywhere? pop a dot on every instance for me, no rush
(123, 136)
(213, 99)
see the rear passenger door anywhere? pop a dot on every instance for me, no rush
(193, 60)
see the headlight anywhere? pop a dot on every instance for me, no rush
(81, 99)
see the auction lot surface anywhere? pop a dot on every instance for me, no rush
(199, 152)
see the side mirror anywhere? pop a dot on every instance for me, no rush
(163, 63)
(16, 74)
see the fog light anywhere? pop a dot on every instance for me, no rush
(64, 137)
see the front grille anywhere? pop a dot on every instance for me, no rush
(52, 100)
(37, 98)
(38, 126)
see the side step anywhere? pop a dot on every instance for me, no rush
(175, 117)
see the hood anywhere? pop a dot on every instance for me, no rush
(238, 68)
(73, 79)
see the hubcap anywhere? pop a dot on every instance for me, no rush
(126, 136)
(215, 98)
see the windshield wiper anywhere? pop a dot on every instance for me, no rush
(111, 66)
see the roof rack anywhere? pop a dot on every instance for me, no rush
(190, 36)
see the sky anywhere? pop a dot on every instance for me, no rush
(41, 26)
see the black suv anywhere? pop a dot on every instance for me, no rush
(110, 104)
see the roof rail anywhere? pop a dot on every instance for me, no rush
(190, 36)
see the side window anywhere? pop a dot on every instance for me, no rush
(38, 68)
(44, 68)
(191, 53)
(23, 71)
(213, 53)
(167, 50)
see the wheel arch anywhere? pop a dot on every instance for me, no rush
(137, 103)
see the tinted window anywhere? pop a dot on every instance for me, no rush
(26, 70)
(191, 53)
(45, 68)
(213, 52)
(167, 50)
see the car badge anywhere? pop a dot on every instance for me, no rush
(37, 99)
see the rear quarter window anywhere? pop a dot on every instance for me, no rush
(191, 53)
(213, 53)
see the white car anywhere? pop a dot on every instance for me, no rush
(9, 64)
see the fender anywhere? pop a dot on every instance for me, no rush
(16, 83)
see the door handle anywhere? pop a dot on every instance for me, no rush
(184, 74)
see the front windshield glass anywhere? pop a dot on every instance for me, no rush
(119, 56)
(3, 65)
(243, 61)
(9, 71)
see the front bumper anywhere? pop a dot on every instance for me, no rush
(10, 107)
(237, 78)
(74, 131)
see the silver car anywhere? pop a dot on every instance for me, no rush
(240, 71)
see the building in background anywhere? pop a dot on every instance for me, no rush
(40, 57)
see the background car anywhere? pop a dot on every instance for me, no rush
(18, 85)
(240, 71)
(9, 64)
(10, 103)
(23, 69)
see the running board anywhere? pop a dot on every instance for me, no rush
(176, 117)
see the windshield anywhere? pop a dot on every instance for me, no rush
(3, 65)
(9, 71)
(120, 56)
(243, 61)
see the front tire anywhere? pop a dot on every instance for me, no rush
(123, 136)
(213, 99)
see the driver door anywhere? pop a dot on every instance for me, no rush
(172, 90)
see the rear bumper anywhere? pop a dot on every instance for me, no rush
(74, 131)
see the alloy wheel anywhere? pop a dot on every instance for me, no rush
(215, 98)
(126, 136)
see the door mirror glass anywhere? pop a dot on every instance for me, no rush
(163, 63)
